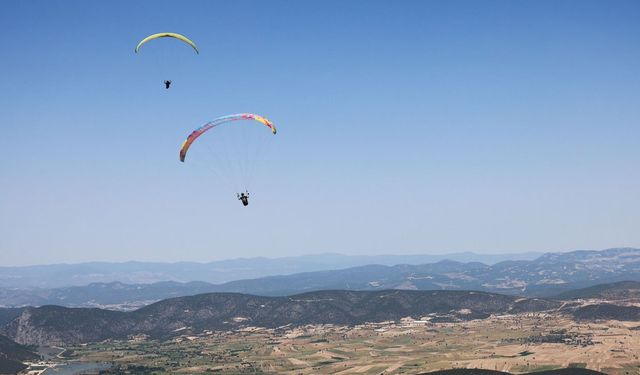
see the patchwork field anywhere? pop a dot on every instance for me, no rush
(513, 343)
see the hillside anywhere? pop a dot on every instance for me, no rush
(12, 355)
(612, 291)
(607, 311)
(8, 314)
(221, 311)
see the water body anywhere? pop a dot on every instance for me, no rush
(49, 353)
(77, 368)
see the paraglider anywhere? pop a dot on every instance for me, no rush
(221, 120)
(168, 35)
(243, 198)
(229, 161)
(179, 37)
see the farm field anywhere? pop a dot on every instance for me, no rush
(513, 343)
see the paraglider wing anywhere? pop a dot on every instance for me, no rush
(168, 35)
(221, 120)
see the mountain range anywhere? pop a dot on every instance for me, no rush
(55, 325)
(546, 276)
(63, 275)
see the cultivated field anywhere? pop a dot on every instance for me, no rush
(514, 343)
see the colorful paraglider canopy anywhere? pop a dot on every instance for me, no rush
(168, 35)
(221, 120)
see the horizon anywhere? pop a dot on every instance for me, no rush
(488, 254)
(413, 126)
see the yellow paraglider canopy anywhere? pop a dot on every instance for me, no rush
(168, 35)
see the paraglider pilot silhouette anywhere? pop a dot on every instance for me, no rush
(244, 198)
(167, 84)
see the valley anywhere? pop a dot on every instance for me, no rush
(515, 343)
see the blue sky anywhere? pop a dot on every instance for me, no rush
(404, 127)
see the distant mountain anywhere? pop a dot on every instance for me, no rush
(435, 276)
(545, 276)
(54, 325)
(614, 291)
(12, 355)
(115, 295)
(63, 275)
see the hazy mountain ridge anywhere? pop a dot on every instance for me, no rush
(120, 296)
(52, 325)
(546, 276)
(64, 275)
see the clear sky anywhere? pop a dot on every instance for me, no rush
(404, 127)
